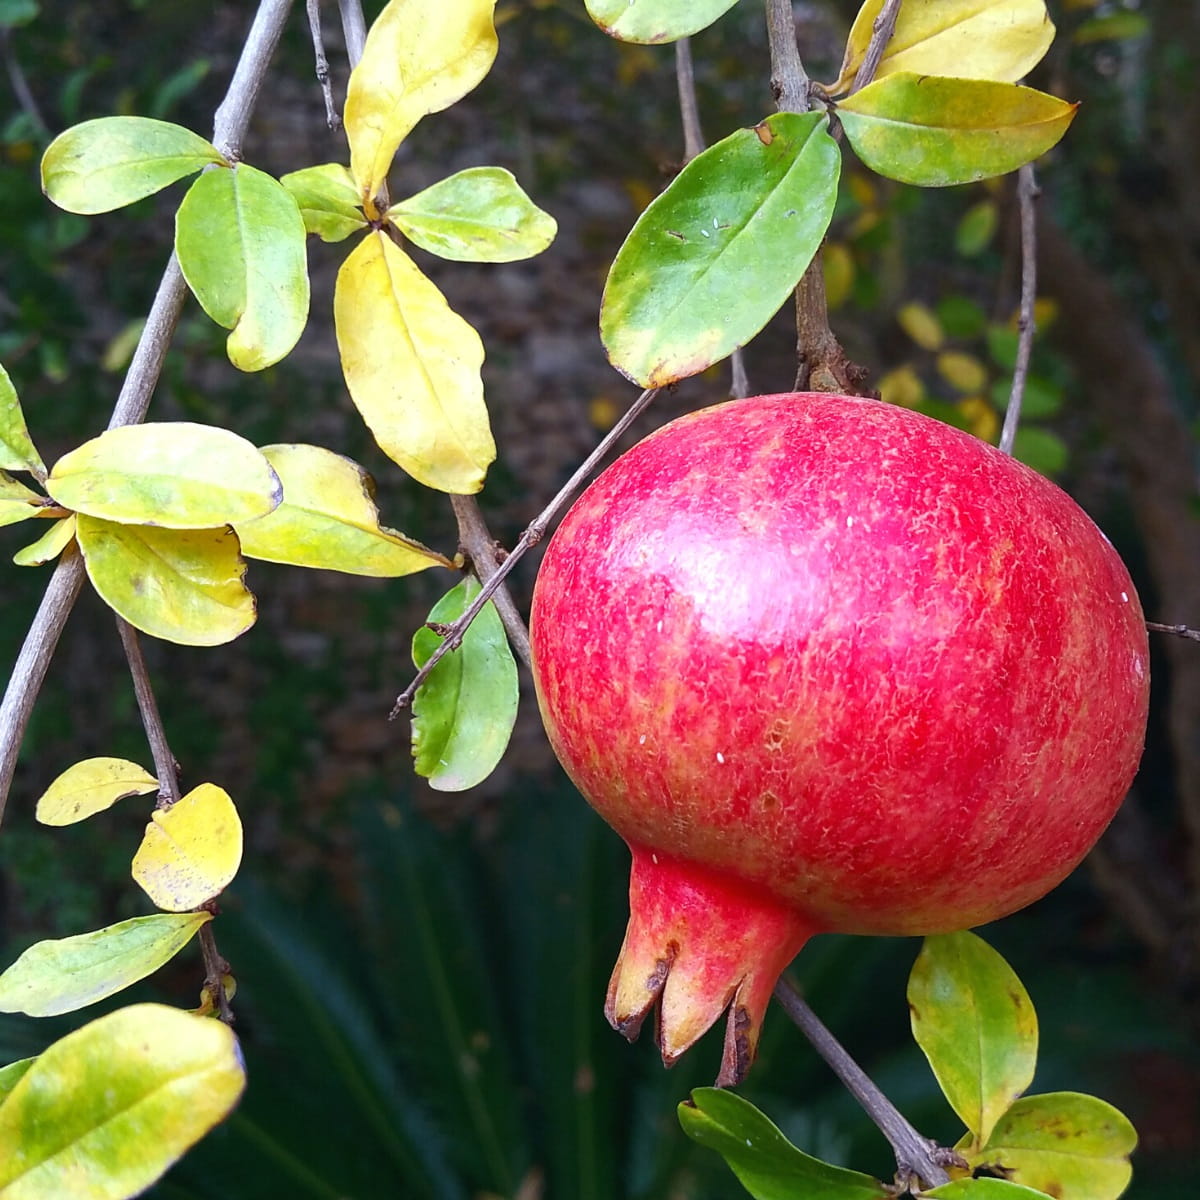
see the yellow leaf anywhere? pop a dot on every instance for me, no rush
(184, 585)
(962, 371)
(191, 851)
(49, 546)
(970, 39)
(838, 263)
(171, 473)
(902, 386)
(412, 367)
(90, 787)
(981, 418)
(420, 57)
(921, 324)
(328, 520)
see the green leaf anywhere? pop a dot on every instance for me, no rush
(464, 712)
(651, 21)
(184, 585)
(935, 132)
(768, 1166)
(1002, 344)
(1042, 398)
(49, 546)
(1116, 26)
(113, 161)
(17, 451)
(1063, 1144)
(329, 521)
(17, 502)
(173, 474)
(107, 1109)
(477, 215)
(328, 200)
(91, 786)
(984, 1189)
(711, 260)
(18, 12)
(240, 240)
(71, 973)
(1042, 450)
(976, 228)
(974, 1021)
(12, 1074)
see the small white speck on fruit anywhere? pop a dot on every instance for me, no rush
(654, 859)
(642, 740)
(659, 627)
(1125, 597)
(849, 522)
(720, 757)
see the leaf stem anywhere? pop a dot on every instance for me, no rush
(229, 128)
(1027, 194)
(916, 1156)
(534, 532)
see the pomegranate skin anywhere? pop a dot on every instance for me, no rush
(854, 664)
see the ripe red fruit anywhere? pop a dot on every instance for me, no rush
(829, 665)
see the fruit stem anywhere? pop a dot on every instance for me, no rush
(916, 1156)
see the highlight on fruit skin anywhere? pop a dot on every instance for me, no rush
(828, 665)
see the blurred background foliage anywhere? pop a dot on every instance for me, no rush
(421, 975)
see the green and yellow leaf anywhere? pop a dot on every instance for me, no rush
(464, 712)
(112, 161)
(935, 132)
(1062, 1144)
(328, 520)
(983, 1189)
(478, 215)
(327, 199)
(420, 57)
(49, 546)
(653, 21)
(711, 260)
(71, 973)
(104, 1111)
(12, 1074)
(240, 240)
(182, 585)
(974, 1021)
(970, 39)
(17, 452)
(17, 502)
(90, 787)
(172, 474)
(412, 366)
(191, 851)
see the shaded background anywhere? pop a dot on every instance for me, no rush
(421, 975)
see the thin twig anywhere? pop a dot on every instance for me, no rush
(322, 63)
(215, 970)
(354, 29)
(916, 1156)
(20, 85)
(789, 80)
(229, 129)
(881, 34)
(534, 532)
(1183, 631)
(689, 109)
(165, 765)
(480, 546)
(1027, 194)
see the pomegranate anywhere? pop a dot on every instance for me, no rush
(829, 665)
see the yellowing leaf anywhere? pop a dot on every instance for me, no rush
(478, 215)
(49, 546)
(104, 164)
(10, 1075)
(17, 502)
(191, 851)
(327, 199)
(240, 240)
(654, 21)
(420, 57)
(902, 386)
(71, 973)
(837, 261)
(962, 371)
(328, 520)
(980, 418)
(90, 787)
(174, 474)
(17, 452)
(970, 39)
(921, 324)
(412, 367)
(184, 585)
(936, 132)
(104, 1111)
(976, 228)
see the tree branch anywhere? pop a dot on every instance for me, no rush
(1027, 194)
(917, 1158)
(1183, 631)
(229, 129)
(689, 109)
(322, 64)
(789, 80)
(881, 34)
(534, 532)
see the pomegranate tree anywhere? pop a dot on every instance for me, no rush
(829, 665)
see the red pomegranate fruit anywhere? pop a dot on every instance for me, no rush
(829, 665)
